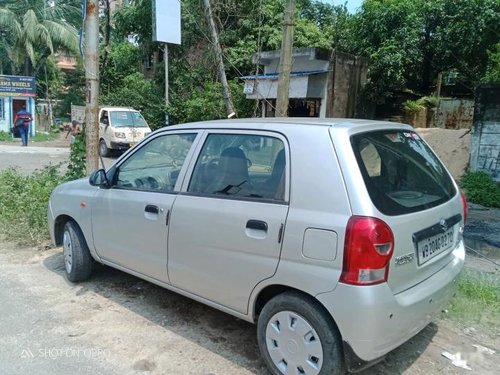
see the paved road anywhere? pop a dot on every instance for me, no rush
(28, 159)
(31, 158)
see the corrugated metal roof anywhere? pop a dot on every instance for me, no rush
(293, 74)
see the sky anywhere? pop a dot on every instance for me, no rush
(352, 5)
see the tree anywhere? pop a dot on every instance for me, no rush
(409, 42)
(33, 30)
(493, 70)
(142, 94)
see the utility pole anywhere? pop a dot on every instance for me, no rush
(91, 60)
(226, 93)
(167, 101)
(285, 67)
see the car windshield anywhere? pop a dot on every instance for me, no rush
(127, 119)
(401, 172)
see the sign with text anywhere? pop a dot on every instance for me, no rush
(167, 21)
(17, 86)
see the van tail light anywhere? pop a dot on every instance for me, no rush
(368, 248)
(464, 205)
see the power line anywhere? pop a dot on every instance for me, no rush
(223, 54)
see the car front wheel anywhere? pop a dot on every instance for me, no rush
(296, 336)
(77, 259)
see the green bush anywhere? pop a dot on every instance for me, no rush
(480, 188)
(77, 158)
(412, 106)
(23, 203)
(429, 101)
(4, 136)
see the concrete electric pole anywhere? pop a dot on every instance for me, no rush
(285, 67)
(91, 61)
(226, 93)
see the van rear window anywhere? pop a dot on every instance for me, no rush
(401, 172)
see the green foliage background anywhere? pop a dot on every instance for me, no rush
(480, 188)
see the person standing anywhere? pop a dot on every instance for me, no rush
(22, 121)
(74, 130)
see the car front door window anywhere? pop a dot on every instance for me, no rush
(156, 166)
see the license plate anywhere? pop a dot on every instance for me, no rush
(429, 247)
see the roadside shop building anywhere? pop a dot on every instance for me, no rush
(323, 83)
(16, 91)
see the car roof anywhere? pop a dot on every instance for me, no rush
(281, 123)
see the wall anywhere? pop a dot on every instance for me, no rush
(304, 59)
(455, 113)
(348, 78)
(485, 142)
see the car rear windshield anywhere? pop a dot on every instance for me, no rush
(401, 172)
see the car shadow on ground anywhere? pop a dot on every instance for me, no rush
(218, 332)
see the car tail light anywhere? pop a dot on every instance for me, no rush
(368, 248)
(464, 204)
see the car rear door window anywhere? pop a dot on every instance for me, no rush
(401, 172)
(240, 165)
(156, 165)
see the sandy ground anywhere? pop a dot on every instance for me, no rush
(118, 324)
(451, 146)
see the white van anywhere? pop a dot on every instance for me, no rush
(120, 128)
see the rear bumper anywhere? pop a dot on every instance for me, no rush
(373, 321)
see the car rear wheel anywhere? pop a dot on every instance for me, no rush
(77, 259)
(103, 148)
(296, 336)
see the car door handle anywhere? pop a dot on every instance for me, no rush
(152, 209)
(257, 224)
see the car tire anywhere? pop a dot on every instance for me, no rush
(78, 262)
(104, 151)
(309, 338)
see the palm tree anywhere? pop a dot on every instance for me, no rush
(32, 30)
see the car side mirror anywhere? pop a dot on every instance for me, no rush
(99, 178)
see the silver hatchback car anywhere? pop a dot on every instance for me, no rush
(340, 238)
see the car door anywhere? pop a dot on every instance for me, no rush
(130, 220)
(104, 128)
(227, 224)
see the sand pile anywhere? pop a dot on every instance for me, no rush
(452, 147)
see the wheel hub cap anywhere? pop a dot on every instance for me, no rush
(293, 344)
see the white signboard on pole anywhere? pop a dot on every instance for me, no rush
(167, 21)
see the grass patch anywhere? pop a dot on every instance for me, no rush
(39, 137)
(477, 300)
(480, 188)
(23, 204)
(43, 137)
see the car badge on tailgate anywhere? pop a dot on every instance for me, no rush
(404, 259)
(444, 225)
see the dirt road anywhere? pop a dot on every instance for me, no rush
(119, 324)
